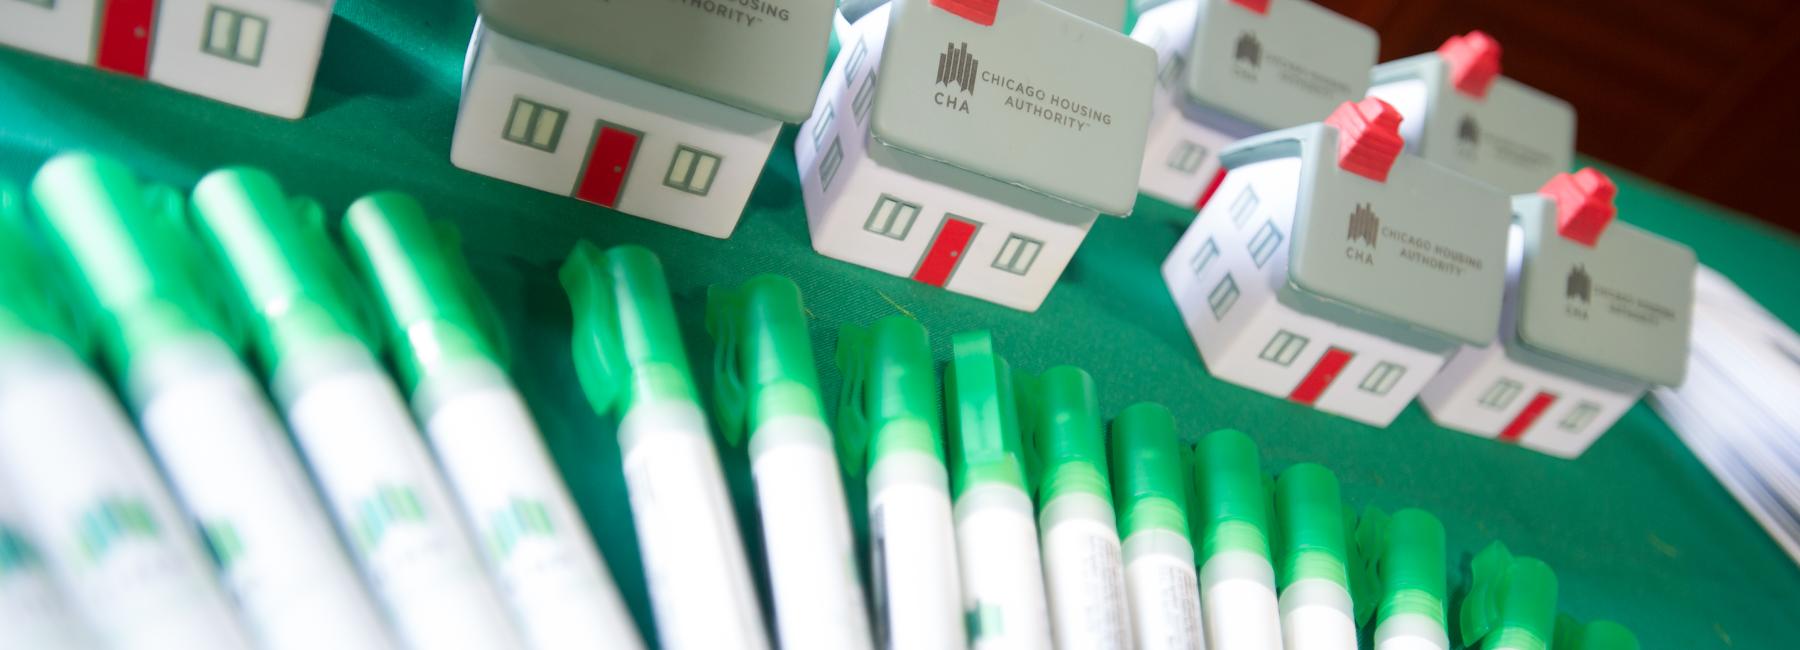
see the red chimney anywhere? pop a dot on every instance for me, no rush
(1474, 60)
(1368, 137)
(1258, 6)
(1584, 204)
(980, 12)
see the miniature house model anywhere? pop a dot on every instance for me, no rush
(258, 54)
(661, 110)
(1596, 312)
(1460, 113)
(971, 145)
(1336, 272)
(1228, 69)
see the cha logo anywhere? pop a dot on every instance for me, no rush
(956, 67)
(1364, 225)
(1580, 285)
(1247, 56)
(1468, 136)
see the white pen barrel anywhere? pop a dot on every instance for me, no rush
(108, 528)
(1164, 591)
(1084, 573)
(381, 484)
(525, 521)
(693, 555)
(1316, 615)
(1237, 592)
(228, 458)
(806, 531)
(1002, 573)
(914, 545)
(34, 612)
(1411, 632)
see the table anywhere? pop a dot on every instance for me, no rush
(1637, 529)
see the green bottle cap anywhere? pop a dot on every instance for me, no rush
(890, 399)
(1511, 601)
(433, 312)
(763, 361)
(985, 445)
(1404, 557)
(291, 286)
(1309, 516)
(1233, 502)
(1060, 414)
(132, 269)
(28, 308)
(627, 343)
(1150, 489)
(1572, 634)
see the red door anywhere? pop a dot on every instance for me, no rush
(1211, 187)
(607, 165)
(1515, 429)
(946, 250)
(1321, 376)
(125, 36)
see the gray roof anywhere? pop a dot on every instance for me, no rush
(1624, 306)
(1285, 68)
(1424, 251)
(764, 56)
(1041, 99)
(1515, 138)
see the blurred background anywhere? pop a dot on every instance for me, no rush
(1700, 95)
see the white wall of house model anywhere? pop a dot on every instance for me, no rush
(550, 121)
(1229, 69)
(258, 54)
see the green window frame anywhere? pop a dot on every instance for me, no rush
(1283, 348)
(534, 124)
(1382, 379)
(1202, 258)
(1501, 393)
(1264, 243)
(892, 217)
(234, 35)
(692, 170)
(1244, 205)
(1186, 157)
(828, 163)
(1223, 296)
(1580, 418)
(1018, 254)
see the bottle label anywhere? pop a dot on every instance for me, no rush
(1317, 615)
(1085, 579)
(1237, 591)
(806, 531)
(1002, 574)
(1165, 601)
(526, 523)
(916, 591)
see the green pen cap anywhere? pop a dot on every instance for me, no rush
(1511, 601)
(1309, 516)
(1060, 414)
(984, 443)
(289, 282)
(1148, 472)
(1404, 558)
(763, 360)
(889, 402)
(132, 270)
(627, 343)
(1233, 507)
(433, 313)
(28, 307)
(1572, 634)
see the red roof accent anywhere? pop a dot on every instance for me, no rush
(980, 12)
(1368, 137)
(1258, 6)
(1584, 204)
(1474, 60)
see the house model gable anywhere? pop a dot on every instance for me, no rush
(1426, 248)
(1623, 305)
(763, 57)
(1041, 99)
(1286, 66)
(1513, 136)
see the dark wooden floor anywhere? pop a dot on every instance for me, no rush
(1701, 95)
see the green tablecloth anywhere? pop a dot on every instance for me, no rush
(1637, 529)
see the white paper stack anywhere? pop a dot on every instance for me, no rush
(1739, 410)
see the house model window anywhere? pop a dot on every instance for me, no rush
(232, 35)
(47, 4)
(1017, 254)
(1264, 243)
(865, 97)
(1579, 418)
(1243, 206)
(1208, 252)
(892, 217)
(692, 170)
(1223, 296)
(822, 126)
(535, 125)
(828, 163)
(1382, 378)
(1284, 347)
(1501, 393)
(856, 59)
(1186, 157)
